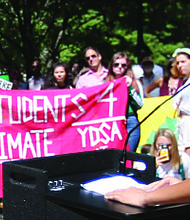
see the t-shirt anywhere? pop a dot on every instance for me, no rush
(167, 170)
(157, 73)
(91, 79)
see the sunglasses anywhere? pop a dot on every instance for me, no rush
(123, 65)
(92, 56)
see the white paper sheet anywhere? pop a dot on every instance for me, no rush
(109, 184)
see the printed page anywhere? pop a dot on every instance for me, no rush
(109, 184)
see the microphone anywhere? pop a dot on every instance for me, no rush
(123, 158)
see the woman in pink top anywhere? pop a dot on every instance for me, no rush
(170, 83)
(172, 80)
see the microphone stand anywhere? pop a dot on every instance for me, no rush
(123, 158)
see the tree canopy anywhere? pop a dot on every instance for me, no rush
(51, 30)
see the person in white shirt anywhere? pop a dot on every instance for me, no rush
(168, 160)
(150, 75)
(181, 101)
(36, 81)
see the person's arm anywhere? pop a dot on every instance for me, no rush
(135, 100)
(157, 83)
(177, 193)
(169, 192)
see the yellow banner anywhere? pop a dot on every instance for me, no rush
(161, 118)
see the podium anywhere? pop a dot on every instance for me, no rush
(49, 188)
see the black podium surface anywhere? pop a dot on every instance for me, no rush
(30, 191)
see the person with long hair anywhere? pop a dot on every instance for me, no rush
(169, 190)
(60, 78)
(120, 66)
(170, 83)
(168, 160)
(172, 79)
(181, 101)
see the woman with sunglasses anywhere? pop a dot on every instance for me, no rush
(120, 66)
(168, 160)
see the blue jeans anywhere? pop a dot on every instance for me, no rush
(134, 138)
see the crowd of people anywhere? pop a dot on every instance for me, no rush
(149, 79)
(171, 166)
(145, 79)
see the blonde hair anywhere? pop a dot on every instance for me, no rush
(175, 157)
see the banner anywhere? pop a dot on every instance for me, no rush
(164, 117)
(52, 122)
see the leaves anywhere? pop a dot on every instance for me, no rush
(61, 29)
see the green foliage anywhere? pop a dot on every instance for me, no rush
(61, 29)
